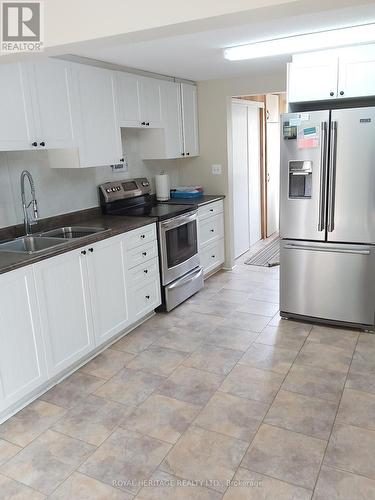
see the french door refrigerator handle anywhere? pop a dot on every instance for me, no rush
(332, 178)
(323, 176)
(338, 249)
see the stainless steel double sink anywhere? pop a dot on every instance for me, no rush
(40, 242)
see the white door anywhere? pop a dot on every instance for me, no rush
(312, 77)
(49, 82)
(357, 72)
(273, 176)
(22, 356)
(64, 302)
(107, 288)
(253, 134)
(17, 128)
(172, 118)
(190, 119)
(95, 116)
(127, 97)
(150, 102)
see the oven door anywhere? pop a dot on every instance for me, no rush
(178, 246)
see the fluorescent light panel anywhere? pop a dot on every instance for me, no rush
(303, 43)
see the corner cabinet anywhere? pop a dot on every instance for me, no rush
(22, 356)
(333, 74)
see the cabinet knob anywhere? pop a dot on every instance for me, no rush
(147, 124)
(91, 250)
(143, 236)
(187, 154)
(42, 144)
(147, 297)
(143, 123)
(83, 252)
(145, 271)
(212, 230)
(144, 254)
(342, 92)
(331, 94)
(182, 154)
(211, 209)
(34, 144)
(122, 159)
(213, 256)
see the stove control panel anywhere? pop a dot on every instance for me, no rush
(124, 189)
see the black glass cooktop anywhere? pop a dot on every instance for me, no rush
(161, 211)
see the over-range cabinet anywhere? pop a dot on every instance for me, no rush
(327, 216)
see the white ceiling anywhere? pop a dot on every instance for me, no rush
(199, 56)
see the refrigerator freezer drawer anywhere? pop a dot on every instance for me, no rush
(328, 281)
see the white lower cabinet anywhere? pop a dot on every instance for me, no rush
(22, 357)
(211, 236)
(64, 303)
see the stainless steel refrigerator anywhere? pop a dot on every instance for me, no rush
(327, 216)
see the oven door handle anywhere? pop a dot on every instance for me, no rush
(179, 221)
(190, 277)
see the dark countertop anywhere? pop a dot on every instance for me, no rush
(203, 200)
(113, 225)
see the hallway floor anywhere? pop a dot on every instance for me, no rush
(218, 399)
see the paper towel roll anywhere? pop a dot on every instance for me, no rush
(162, 187)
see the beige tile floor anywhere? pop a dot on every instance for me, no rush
(218, 399)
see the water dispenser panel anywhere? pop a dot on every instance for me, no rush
(300, 179)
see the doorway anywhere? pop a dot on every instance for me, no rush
(256, 168)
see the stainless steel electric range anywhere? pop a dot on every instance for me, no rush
(180, 270)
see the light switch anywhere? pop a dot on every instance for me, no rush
(216, 169)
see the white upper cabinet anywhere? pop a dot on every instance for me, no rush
(16, 119)
(357, 72)
(95, 116)
(49, 85)
(272, 108)
(189, 119)
(312, 77)
(22, 356)
(171, 108)
(150, 102)
(106, 273)
(342, 73)
(127, 96)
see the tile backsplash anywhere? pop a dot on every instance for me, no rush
(67, 190)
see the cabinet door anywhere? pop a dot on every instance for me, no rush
(17, 130)
(107, 288)
(127, 97)
(65, 309)
(49, 84)
(22, 356)
(312, 77)
(150, 102)
(94, 116)
(190, 119)
(357, 72)
(172, 118)
(272, 108)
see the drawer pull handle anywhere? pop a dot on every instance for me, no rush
(145, 271)
(147, 297)
(83, 252)
(213, 256)
(91, 250)
(212, 230)
(144, 253)
(211, 209)
(143, 236)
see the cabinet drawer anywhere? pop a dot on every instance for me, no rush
(211, 229)
(144, 273)
(210, 209)
(140, 236)
(146, 298)
(212, 255)
(141, 254)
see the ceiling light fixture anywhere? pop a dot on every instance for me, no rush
(303, 43)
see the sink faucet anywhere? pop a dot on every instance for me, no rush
(28, 221)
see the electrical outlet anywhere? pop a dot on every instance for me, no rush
(216, 169)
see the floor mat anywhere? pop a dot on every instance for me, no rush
(268, 256)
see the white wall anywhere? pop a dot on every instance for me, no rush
(60, 191)
(214, 112)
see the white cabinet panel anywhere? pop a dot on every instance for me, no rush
(272, 108)
(172, 118)
(140, 236)
(212, 256)
(210, 209)
(16, 118)
(211, 229)
(141, 254)
(49, 83)
(190, 119)
(145, 299)
(22, 356)
(312, 78)
(95, 116)
(65, 309)
(127, 95)
(107, 288)
(357, 72)
(150, 102)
